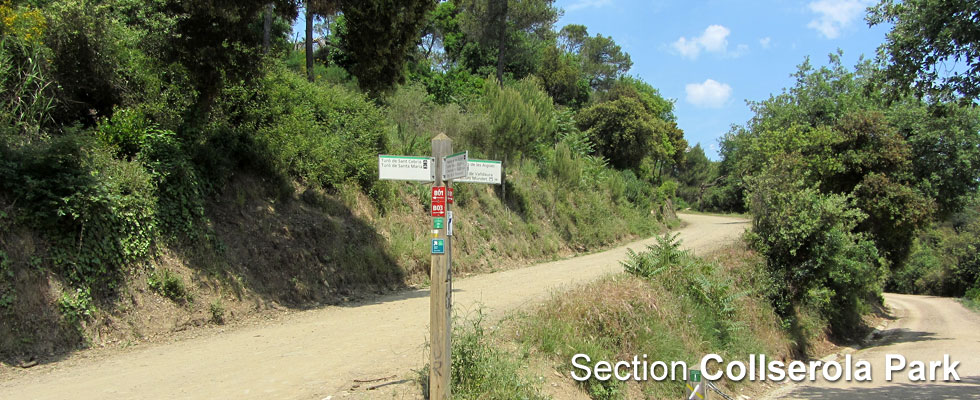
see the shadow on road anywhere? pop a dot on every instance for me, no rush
(398, 296)
(968, 388)
(903, 335)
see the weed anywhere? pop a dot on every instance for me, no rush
(169, 285)
(217, 311)
(76, 307)
(480, 369)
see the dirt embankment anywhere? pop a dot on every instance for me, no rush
(321, 352)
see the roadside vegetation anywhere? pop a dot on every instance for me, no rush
(858, 180)
(166, 165)
(669, 305)
(862, 179)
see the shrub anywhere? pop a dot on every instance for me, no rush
(178, 189)
(97, 211)
(318, 134)
(943, 259)
(76, 307)
(660, 256)
(217, 311)
(169, 285)
(811, 248)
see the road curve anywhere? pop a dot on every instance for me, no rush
(926, 329)
(319, 353)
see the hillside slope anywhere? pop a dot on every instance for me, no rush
(319, 353)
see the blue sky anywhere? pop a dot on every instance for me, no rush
(711, 56)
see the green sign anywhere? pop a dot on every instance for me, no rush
(695, 375)
(437, 223)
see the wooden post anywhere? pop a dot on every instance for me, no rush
(440, 314)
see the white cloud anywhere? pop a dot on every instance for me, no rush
(833, 16)
(765, 42)
(714, 39)
(580, 4)
(710, 94)
(688, 48)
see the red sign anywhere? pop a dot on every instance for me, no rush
(450, 198)
(438, 201)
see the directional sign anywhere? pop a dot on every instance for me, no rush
(449, 198)
(438, 207)
(483, 171)
(455, 166)
(406, 168)
(437, 223)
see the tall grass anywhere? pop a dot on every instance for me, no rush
(671, 306)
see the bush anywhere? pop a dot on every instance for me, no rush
(179, 191)
(217, 311)
(943, 260)
(318, 134)
(76, 307)
(659, 257)
(97, 211)
(169, 285)
(808, 239)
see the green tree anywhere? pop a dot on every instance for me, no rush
(602, 60)
(379, 37)
(215, 41)
(522, 117)
(626, 133)
(695, 174)
(926, 37)
(561, 73)
(661, 142)
(812, 247)
(890, 160)
(510, 29)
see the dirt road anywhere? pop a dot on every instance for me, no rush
(318, 354)
(926, 329)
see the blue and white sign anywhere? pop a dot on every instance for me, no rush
(438, 246)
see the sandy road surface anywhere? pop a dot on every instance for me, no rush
(927, 328)
(315, 354)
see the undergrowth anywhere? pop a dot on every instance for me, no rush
(480, 369)
(671, 306)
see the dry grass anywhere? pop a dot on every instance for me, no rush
(621, 316)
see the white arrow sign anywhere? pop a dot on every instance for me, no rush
(455, 166)
(406, 168)
(484, 171)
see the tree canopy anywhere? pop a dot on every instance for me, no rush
(933, 47)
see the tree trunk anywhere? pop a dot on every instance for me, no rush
(267, 29)
(501, 40)
(309, 43)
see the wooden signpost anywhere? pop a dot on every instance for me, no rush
(441, 169)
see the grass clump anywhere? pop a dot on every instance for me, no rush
(480, 369)
(169, 285)
(217, 309)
